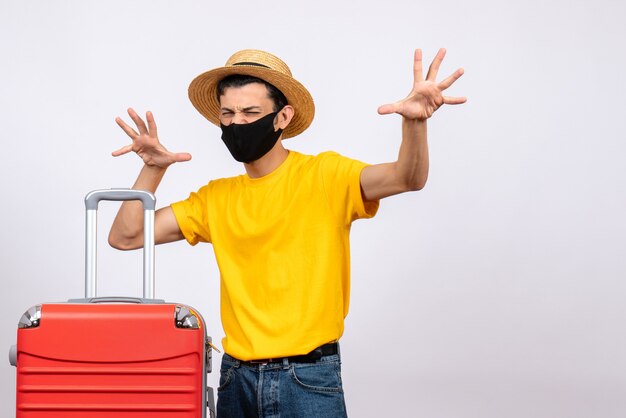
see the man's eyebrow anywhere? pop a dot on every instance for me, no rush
(245, 109)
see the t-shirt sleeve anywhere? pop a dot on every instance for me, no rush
(192, 216)
(341, 177)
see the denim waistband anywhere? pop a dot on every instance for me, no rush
(330, 349)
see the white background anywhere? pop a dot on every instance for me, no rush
(497, 291)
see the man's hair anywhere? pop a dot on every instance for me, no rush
(238, 80)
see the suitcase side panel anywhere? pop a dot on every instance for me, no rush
(49, 388)
(110, 360)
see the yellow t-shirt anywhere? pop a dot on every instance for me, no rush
(282, 246)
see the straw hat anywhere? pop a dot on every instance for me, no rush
(263, 65)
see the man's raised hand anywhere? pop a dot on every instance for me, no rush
(427, 94)
(146, 142)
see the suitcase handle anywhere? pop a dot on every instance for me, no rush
(93, 198)
(117, 299)
(91, 204)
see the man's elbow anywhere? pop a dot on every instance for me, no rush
(122, 243)
(410, 179)
(415, 185)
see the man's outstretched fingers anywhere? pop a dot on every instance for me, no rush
(450, 80)
(454, 100)
(181, 157)
(152, 128)
(124, 150)
(138, 121)
(434, 66)
(387, 109)
(417, 66)
(127, 129)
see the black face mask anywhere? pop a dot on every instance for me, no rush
(248, 142)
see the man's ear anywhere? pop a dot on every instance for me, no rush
(284, 117)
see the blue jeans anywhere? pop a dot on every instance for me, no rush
(281, 390)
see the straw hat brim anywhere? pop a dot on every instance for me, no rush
(203, 94)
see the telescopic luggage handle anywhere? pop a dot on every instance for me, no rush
(91, 204)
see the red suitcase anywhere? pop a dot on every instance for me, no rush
(113, 357)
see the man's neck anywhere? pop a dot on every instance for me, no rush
(268, 163)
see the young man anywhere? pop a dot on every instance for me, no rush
(280, 232)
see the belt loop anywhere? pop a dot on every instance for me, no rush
(285, 363)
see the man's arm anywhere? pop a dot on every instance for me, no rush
(410, 171)
(127, 229)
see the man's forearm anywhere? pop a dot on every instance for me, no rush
(127, 229)
(413, 163)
